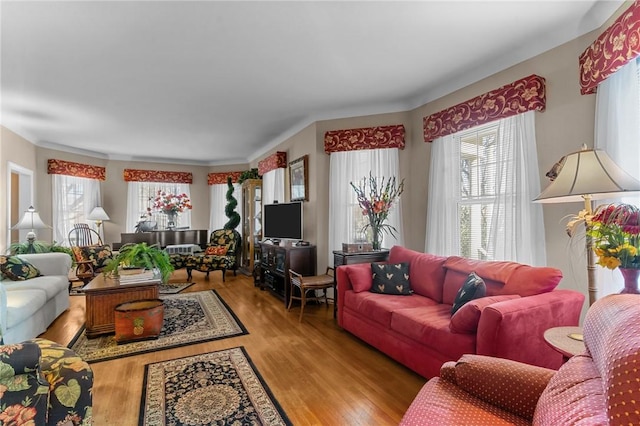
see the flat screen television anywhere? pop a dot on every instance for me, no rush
(282, 221)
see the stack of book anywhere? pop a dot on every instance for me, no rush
(135, 276)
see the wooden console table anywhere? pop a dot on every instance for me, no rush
(103, 294)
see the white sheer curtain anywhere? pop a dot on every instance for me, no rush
(617, 131)
(273, 186)
(515, 221)
(73, 200)
(444, 189)
(217, 216)
(345, 217)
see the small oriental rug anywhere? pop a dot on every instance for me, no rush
(188, 318)
(173, 288)
(222, 388)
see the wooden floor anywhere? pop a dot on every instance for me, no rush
(320, 374)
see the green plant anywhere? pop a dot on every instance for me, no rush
(615, 231)
(249, 174)
(230, 209)
(38, 247)
(142, 255)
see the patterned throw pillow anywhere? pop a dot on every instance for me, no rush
(17, 269)
(99, 255)
(473, 288)
(390, 278)
(215, 251)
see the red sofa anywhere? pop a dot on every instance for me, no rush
(597, 387)
(418, 330)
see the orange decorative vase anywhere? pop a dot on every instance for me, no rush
(630, 276)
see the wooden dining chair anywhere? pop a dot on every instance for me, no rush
(305, 284)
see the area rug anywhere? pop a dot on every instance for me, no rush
(221, 387)
(188, 318)
(168, 288)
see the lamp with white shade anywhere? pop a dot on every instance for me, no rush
(98, 215)
(31, 220)
(584, 176)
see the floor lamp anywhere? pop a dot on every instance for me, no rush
(584, 176)
(31, 221)
(98, 215)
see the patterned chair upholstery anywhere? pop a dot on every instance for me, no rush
(599, 386)
(222, 253)
(44, 383)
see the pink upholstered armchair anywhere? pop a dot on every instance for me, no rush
(600, 386)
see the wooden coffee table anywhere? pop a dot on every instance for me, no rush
(104, 293)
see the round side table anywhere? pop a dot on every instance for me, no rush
(559, 339)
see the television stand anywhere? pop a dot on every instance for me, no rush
(275, 262)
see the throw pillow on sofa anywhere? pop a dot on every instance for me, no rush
(17, 269)
(473, 288)
(466, 319)
(215, 251)
(390, 278)
(99, 255)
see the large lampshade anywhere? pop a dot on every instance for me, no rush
(31, 221)
(98, 213)
(589, 173)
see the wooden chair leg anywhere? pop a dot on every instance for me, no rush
(188, 274)
(290, 297)
(224, 272)
(303, 301)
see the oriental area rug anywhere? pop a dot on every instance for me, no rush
(188, 318)
(221, 388)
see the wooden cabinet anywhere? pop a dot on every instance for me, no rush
(276, 261)
(251, 223)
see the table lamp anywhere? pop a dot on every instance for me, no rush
(584, 176)
(31, 220)
(98, 215)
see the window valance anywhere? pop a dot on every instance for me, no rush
(527, 94)
(364, 138)
(619, 44)
(221, 177)
(69, 168)
(272, 162)
(135, 175)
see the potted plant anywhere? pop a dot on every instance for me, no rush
(230, 209)
(142, 255)
(38, 247)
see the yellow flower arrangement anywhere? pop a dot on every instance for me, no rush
(615, 232)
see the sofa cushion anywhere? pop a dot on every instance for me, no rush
(429, 325)
(379, 307)
(99, 255)
(361, 278)
(51, 285)
(23, 304)
(426, 273)
(473, 288)
(466, 319)
(529, 280)
(17, 269)
(574, 395)
(390, 278)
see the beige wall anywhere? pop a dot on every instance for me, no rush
(566, 124)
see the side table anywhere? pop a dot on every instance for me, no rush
(559, 339)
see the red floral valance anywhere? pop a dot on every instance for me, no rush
(221, 177)
(69, 168)
(527, 94)
(619, 44)
(364, 138)
(272, 162)
(134, 175)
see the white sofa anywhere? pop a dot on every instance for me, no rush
(28, 307)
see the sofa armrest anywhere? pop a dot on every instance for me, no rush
(22, 358)
(514, 329)
(510, 385)
(49, 263)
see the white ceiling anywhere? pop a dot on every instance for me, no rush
(214, 82)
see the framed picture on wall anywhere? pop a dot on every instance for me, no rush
(299, 179)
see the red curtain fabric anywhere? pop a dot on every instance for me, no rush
(272, 162)
(523, 95)
(134, 175)
(619, 44)
(221, 177)
(364, 138)
(69, 168)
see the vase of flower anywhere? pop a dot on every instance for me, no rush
(171, 205)
(630, 276)
(376, 197)
(172, 219)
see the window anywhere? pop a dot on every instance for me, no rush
(140, 207)
(478, 189)
(73, 200)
